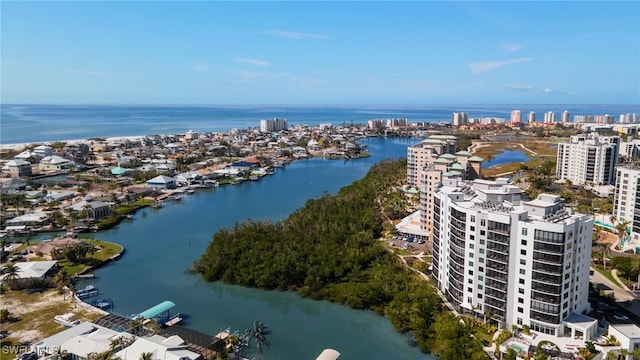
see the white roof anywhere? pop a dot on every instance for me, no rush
(54, 159)
(32, 217)
(161, 179)
(56, 340)
(94, 342)
(33, 269)
(172, 348)
(17, 162)
(631, 331)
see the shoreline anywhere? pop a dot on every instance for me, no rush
(20, 146)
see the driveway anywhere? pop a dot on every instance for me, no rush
(619, 293)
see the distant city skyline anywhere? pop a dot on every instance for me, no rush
(218, 52)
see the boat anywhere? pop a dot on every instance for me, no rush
(87, 291)
(68, 320)
(177, 197)
(102, 304)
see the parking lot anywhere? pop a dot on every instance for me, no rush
(412, 246)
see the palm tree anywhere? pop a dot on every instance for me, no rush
(146, 356)
(259, 333)
(62, 280)
(621, 232)
(11, 274)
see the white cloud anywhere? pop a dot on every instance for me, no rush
(258, 74)
(201, 67)
(294, 34)
(254, 62)
(88, 72)
(510, 48)
(480, 67)
(536, 89)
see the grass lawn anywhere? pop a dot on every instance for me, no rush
(607, 274)
(105, 251)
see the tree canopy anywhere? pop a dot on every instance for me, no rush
(329, 249)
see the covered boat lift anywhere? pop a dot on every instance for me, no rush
(161, 313)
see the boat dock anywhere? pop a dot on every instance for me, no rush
(175, 319)
(87, 291)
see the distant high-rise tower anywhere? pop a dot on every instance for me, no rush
(549, 117)
(565, 117)
(460, 119)
(516, 116)
(532, 117)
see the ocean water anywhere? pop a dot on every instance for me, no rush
(39, 123)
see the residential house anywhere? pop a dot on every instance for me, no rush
(17, 168)
(52, 246)
(95, 209)
(11, 185)
(162, 182)
(33, 269)
(161, 348)
(79, 341)
(55, 163)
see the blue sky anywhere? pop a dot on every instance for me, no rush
(209, 52)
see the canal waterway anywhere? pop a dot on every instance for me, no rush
(161, 244)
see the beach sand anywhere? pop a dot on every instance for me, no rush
(20, 146)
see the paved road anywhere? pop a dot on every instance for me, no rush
(619, 293)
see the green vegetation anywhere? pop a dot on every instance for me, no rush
(102, 251)
(121, 210)
(329, 249)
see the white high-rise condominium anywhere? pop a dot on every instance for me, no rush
(532, 117)
(516, 116)
(549, 117)
(588, 158)
(626, 200)
(460, 118)
(275, 124)
(521, 262)
(565, 117)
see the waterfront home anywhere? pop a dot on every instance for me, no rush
(188, 178)
(80, 341)
(162, 182)
(94, 209)
(42, 151)
(55, 163)
(30, 220)
(17, 168)
(48, 248)
(33, 270)
(165, 348)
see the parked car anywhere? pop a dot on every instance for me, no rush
(620, 317)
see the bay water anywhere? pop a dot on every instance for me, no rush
(161, 244)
